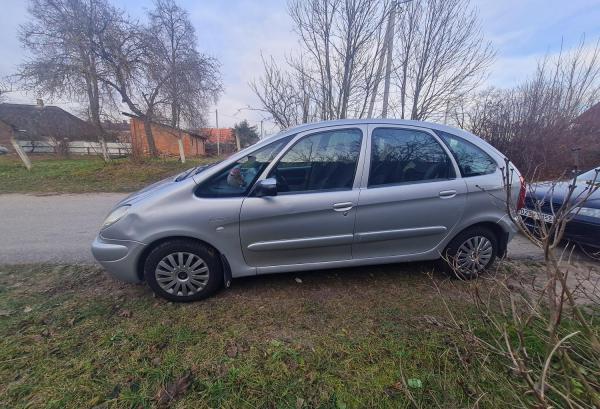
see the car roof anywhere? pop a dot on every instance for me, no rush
(499, 156)
(398, 122)
(341, 122)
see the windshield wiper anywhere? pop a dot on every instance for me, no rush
(185, 174)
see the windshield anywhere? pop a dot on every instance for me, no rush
(194, 171)
(591, 175)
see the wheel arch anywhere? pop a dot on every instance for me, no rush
(496, 228)
(148, 249)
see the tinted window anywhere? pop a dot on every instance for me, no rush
(471, 160)
(406, 156)
(238, 178)
(322, 161)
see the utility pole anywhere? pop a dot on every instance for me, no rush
(218, 133)
(261, 129)
(388, 66)
(379, 70)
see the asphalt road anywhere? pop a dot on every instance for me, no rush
(60, 228)
(57, 229)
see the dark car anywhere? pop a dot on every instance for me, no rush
(584, 227)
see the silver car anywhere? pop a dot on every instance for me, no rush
(325, 195)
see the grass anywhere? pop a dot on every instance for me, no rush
(84, 174)
(71, 337)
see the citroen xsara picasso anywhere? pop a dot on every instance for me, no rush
(324, 195)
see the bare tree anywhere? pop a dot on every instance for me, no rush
(538, 122)
(62, 38)
(555, 309)
(131, 71)
(156, 70)
(193, 79)
(334, 73)
(441, 55)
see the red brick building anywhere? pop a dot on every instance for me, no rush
(219, 140)
(223, 135)
(165, 139)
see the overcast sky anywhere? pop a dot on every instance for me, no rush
(237, 31)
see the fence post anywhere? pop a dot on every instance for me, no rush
(21, 153)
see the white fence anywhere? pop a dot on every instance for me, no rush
(77, 147)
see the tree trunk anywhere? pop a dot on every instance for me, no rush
(149, 137)
(93, 92)
(181, 150)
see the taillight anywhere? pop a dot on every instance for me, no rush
(522, 192)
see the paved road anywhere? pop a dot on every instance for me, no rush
(51, 228)
(61, 228)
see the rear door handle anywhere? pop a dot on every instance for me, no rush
(343, 207)
(447, 194)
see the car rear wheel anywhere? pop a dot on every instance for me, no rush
(470, 253)
(183, 270)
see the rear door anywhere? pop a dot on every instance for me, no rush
(410, 196)
(311, 219)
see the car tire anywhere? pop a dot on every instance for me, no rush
(183, 270)
(470, 253)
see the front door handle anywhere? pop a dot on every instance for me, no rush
(447, 194)
(343, 207)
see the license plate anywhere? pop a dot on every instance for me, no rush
(532, 214)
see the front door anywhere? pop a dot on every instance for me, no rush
(312, 217)
(411, 198)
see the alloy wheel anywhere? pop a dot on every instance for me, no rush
(474, 254)
(182, 274)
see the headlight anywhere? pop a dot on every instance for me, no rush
(587, 211)
(115, 216)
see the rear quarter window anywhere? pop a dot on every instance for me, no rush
(472, 160)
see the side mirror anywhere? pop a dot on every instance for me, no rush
(266, 187)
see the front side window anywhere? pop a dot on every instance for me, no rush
(321, 161)
(237, 179)
(472, 161)
(406, 156)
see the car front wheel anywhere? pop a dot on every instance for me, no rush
(470, 253)
(183, 270)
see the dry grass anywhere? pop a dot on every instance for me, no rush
(72, 337)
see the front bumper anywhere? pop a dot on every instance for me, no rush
(583, 233)
(577, 231)
(119, 257)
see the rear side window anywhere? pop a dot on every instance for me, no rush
(471, 160)
(406, 156)
(320, 162)
(237, 179)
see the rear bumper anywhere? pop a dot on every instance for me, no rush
(119, 257)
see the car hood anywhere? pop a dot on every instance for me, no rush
(558, 192)
(147, 191)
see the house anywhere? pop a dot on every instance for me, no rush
(41, 123)
(218, 135)
(120, 131)
(219, 140)
(165, 139)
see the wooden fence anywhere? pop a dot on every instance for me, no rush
(77, 147)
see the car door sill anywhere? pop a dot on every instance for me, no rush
(431, 254)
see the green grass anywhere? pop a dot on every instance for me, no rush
(71, 337)
(85, 174)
